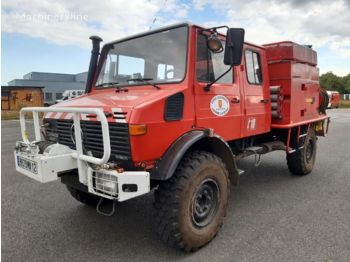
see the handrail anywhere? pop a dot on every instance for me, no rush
(79, 154)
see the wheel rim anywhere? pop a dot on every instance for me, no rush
(205, 203)
(309, 150)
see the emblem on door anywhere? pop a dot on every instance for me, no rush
(219, 105)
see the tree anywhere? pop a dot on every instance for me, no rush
(330, 81)
(346, 80)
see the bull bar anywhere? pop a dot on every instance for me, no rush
(86, 173)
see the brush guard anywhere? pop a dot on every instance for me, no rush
(100, 180)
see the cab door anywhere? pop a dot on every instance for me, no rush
(219, 108)
(254, 78)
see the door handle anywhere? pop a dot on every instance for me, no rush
(264, 101)
(235, 100)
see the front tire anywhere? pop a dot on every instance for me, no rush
(303, 160)
(190, 207)
(83, 197)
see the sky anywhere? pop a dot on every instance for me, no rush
(52, 36)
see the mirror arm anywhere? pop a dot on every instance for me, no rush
(207, 87)
(213, 28)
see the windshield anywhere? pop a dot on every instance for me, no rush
(157, 58)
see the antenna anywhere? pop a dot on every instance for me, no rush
(155, 17)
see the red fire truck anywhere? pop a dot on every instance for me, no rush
(171, 110)
(334, 99)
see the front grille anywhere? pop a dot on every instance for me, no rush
(62, 131)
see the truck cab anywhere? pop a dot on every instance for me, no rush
(158, 82)
(172, 110)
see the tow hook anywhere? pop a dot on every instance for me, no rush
(99, 210)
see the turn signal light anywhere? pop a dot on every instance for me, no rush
(137, 130)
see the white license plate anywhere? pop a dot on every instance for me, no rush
(27, 164)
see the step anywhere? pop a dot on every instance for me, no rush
(255, 149)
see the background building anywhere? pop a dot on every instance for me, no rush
(54, 83)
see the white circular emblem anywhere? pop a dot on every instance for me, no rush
(219, 105)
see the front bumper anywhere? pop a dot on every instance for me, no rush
(101, 177)
(107, 183)
(43, 168)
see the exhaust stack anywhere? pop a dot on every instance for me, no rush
(93, 61)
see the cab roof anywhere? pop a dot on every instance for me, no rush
(168, 27)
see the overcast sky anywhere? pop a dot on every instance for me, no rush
(48, 36)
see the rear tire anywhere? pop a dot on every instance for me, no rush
(84, 197)
(302, 161)
(190, 207)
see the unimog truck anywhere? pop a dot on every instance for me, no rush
(170, 111)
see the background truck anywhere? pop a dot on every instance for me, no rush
(334, 99)
(171, 110)
(70, 94)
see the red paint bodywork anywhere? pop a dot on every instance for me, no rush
(292, 67)
(145, 104)
(334, 99)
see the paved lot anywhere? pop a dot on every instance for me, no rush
(273, 216)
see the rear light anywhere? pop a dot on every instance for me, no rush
(137, 130)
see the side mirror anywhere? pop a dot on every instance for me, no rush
(234, 46)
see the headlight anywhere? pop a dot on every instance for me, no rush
(106, 184)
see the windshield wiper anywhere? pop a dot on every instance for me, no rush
(145, 80)
(107, 84)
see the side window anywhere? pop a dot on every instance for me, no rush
(253, 67)
(165, 72)
(58, 95)
(210, 65)
(48, 96)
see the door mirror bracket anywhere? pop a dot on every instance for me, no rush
(233, 49)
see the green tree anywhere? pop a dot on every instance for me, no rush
(346, 81)
(330, 81)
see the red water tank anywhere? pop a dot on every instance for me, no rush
(291, 51)
(292, 67)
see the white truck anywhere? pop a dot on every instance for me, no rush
(70, 94)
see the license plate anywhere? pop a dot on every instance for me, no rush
(27, 164)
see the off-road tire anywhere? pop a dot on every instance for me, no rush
(302, 161)
(177, 207)
(84, 197)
